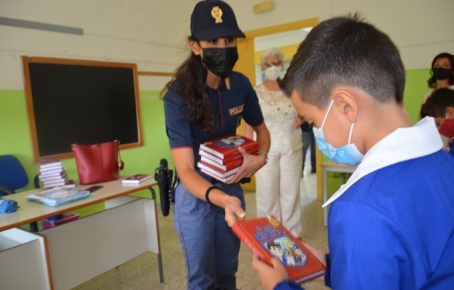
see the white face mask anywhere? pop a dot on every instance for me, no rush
(273, 73)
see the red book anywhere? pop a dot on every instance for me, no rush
(227, 146)
(223, 168)
(136, 179)
(234, 157)
(221, 179)
(216, 172)
(266, 237)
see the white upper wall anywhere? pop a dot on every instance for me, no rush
(153, 33)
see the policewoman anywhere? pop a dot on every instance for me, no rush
(206, 99)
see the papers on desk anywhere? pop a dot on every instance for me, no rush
(59, 195)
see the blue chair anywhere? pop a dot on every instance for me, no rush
(12, 175)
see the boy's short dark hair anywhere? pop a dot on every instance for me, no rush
(345, 51)
(437, 103)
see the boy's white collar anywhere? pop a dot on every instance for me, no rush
(402, 144)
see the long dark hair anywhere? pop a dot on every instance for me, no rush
(432, 82)
(190, 79)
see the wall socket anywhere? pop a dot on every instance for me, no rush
(262, 7)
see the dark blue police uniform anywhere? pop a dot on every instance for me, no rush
(210, 247)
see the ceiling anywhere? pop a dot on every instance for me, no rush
(281, 39)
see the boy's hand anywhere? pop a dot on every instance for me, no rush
(270, 276)
(321, 256)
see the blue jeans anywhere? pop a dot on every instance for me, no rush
(210, 248)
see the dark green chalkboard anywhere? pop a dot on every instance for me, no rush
(84, 102)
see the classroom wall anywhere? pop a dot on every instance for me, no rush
(14, 128)
(421, 29)
(153, 35)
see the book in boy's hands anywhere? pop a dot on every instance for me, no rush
(227, 146)
(59, 195)
(136, 179)
(266, 237)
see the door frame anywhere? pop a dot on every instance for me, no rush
(246, 65)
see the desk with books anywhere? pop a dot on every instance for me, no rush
(68, 255)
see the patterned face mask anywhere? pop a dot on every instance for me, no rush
(273, 73)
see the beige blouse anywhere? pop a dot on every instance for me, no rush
(279, 113)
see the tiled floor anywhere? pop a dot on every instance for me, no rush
(142, 273)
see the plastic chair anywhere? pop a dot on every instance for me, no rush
(12, 175)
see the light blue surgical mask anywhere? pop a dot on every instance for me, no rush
(347, 154)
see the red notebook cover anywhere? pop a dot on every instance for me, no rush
(221, 179)
(216, 172)
(232, 158)
(137, 178)
(267, 237)
(227, 146)
(221, 168)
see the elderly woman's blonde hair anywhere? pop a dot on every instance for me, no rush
(271, 52)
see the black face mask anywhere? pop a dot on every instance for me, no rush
(220, 61)
(441, 73)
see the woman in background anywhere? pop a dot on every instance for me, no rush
(278, 182)
(442, 73)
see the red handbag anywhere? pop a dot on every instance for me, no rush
(98, 162)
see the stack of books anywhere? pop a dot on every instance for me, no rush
(221, 159)
(52, 174)
(59, 195)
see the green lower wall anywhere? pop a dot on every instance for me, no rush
(415, 90)
(16, 139)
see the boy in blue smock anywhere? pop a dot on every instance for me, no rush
(391, 226)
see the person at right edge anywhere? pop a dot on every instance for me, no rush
(440, 106)
(206, 100)
(442, 73)
(391, 226)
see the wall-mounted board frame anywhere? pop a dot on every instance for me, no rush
(80, 101)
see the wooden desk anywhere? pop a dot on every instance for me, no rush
(330, 166)
(80, 250)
